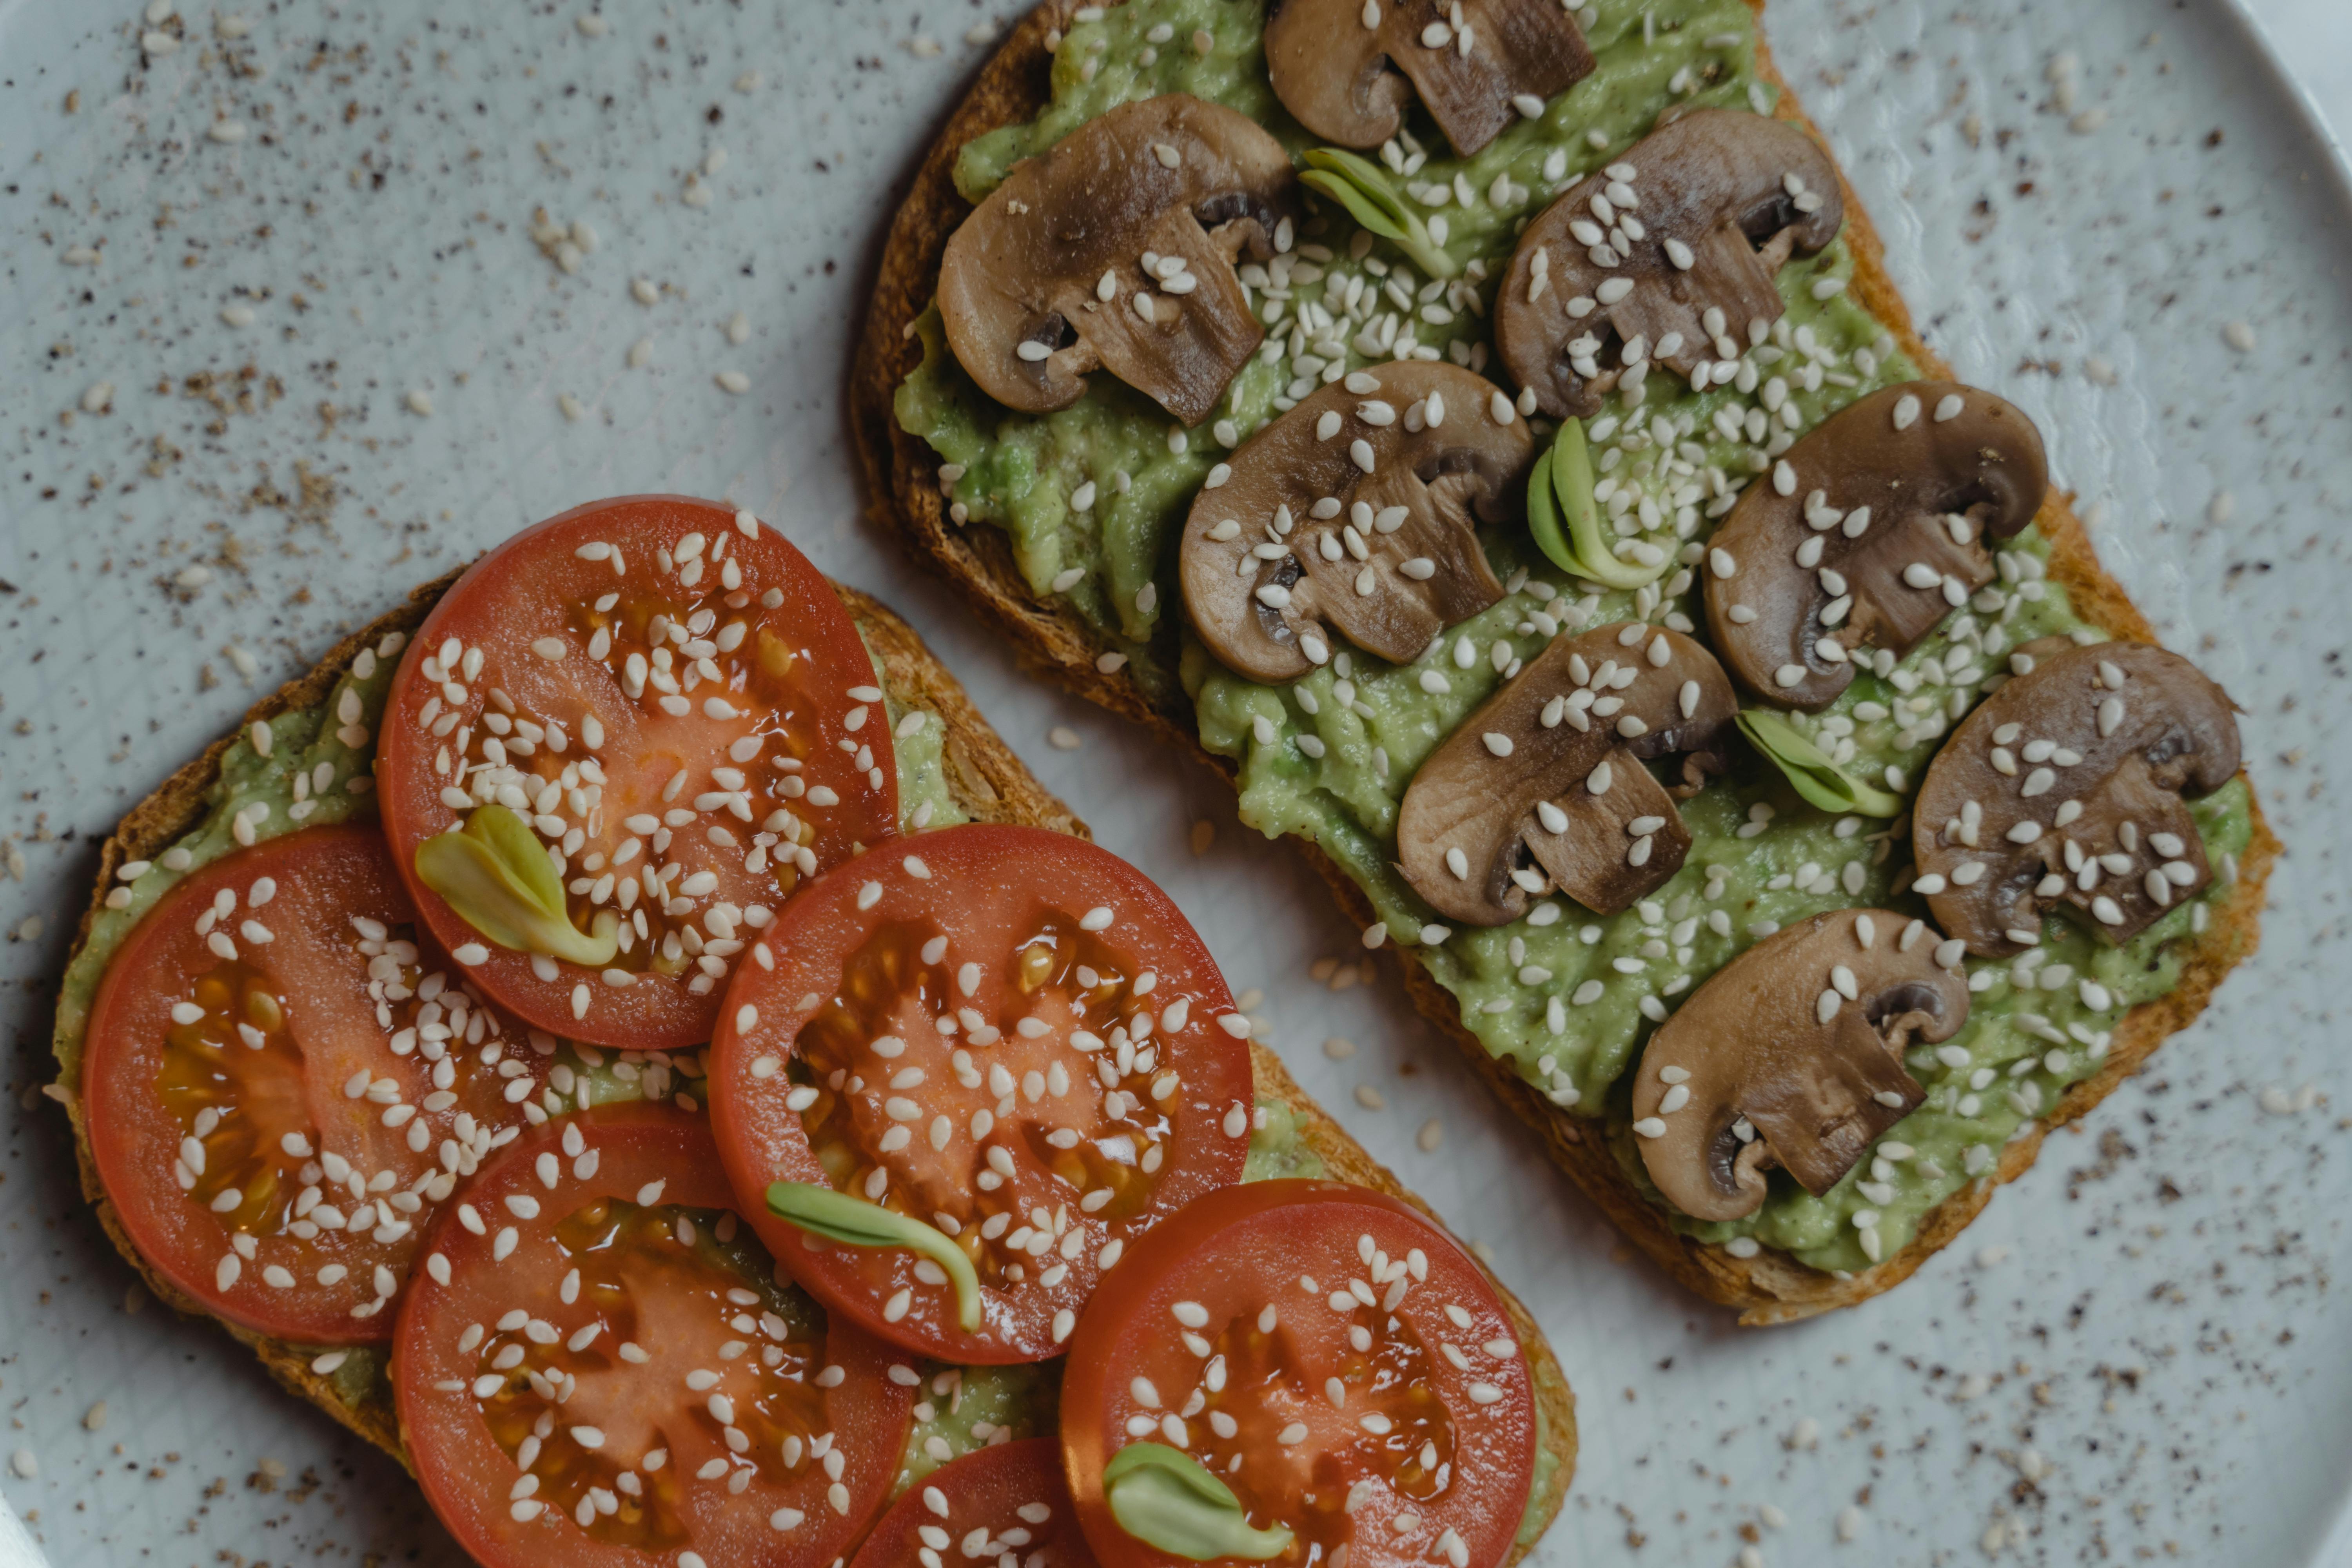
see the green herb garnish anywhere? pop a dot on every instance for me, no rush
(496, 874)
(1358, 185)
(1560, 490)
(1165, 1498)
(852, 1222)
(1809, 769)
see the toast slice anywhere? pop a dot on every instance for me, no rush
(1051, 639)
(987, 781)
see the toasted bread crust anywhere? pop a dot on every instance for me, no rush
(1051, 639)
(989, 783)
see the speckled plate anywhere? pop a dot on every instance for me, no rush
(2135, 1352)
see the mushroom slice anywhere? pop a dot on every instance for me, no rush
(1344, 68)
(1550, 769)
(1356, 513)
(1791, 1054)
(1870, 531)
(1115, 250)
(2065, 789)
(1672, 248)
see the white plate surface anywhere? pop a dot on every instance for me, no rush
(2154, 1371)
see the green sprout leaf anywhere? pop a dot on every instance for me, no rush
(1809, 769)
(1165, 1498)
(852, 1222)
(1566, 520)
(1358, 185)
(496, 874)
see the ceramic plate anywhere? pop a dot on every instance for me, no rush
(2113, 212)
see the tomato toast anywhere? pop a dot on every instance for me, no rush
(480, 1115)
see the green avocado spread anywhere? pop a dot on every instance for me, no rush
(1094, 497)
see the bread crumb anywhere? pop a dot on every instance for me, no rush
(1061, 738)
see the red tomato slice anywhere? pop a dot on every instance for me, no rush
(1007, 1033)
(597, 1367)
(1333, 1357)
(1006, 1499)
(683, 712)
(282, 1082)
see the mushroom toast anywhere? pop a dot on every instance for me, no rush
(800, 1285)
(1711, 606)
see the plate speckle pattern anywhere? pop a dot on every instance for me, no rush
(300, 317)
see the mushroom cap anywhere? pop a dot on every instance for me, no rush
(1367, 530)
(1760, 1042)
(1732, 195)
(2095, 748)
(1866, 547)
(1614, 696)
(1344, 68)
(1052, 260)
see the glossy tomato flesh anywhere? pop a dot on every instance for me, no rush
(1006, 1033)
(685, 714)
(597, 1367)
(1010, 1498)
(282, 1081)
(1336, 1359)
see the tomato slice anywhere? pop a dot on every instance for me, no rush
(1332, 1356)
(283, 1080)
(598, 1366)
(1007, 1498)
(685, 715)
(1006, 1033)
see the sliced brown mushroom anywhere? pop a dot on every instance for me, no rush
(1870, 531)
(2064, 790)
(1115, 250)
(1791, 1054)
(1356, 513)
(1549, 771)
(1671, 250)
(1345, 69)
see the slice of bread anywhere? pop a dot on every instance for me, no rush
(1051, 639)
(989, 784)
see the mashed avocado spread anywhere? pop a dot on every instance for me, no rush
(1567, 997)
